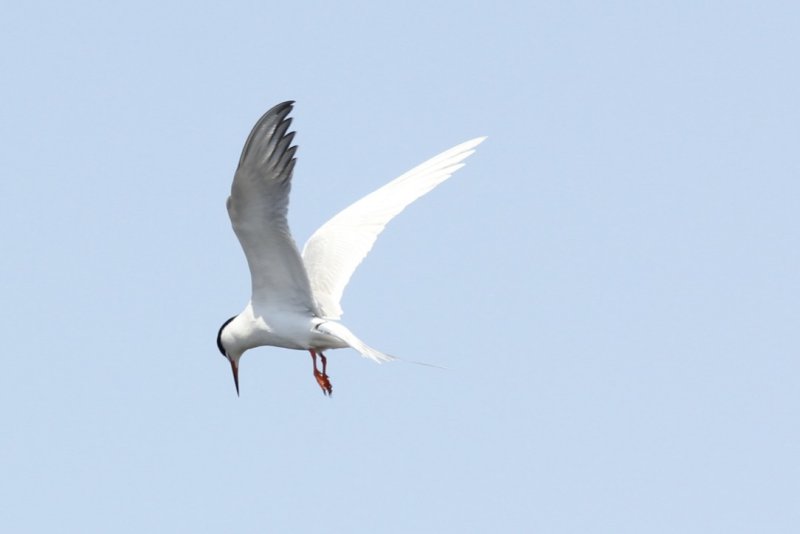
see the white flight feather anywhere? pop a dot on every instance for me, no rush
(333, 252)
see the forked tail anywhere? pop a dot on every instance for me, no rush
(342, 332)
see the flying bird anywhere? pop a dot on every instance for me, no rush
(295, 297)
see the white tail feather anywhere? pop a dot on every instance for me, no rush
(342, 332)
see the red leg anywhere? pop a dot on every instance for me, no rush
(322, 378)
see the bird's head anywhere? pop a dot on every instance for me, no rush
(232, 355)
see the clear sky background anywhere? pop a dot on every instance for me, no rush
(613, 279)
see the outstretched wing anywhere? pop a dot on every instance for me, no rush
(332, 254)
(258, 206)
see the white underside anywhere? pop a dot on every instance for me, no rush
(275, 327)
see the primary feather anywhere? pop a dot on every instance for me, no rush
(333, 252)
(258, 205)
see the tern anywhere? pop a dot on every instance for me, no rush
(295, 297)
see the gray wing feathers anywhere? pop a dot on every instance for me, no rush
(258, 206)
(266, 134)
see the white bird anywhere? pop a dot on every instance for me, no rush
(295, 299)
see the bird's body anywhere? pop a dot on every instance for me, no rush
(256, 327)
(295, 302)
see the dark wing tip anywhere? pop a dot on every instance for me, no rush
(281, 110)
(266, 127)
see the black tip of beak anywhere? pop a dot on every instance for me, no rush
(235, 369)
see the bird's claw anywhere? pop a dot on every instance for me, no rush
(324, 383)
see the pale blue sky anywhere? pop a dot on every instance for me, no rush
(612, 279)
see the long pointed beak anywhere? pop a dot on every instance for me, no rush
(235, 369)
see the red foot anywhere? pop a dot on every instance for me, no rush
(324, 382)
(322, 377)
